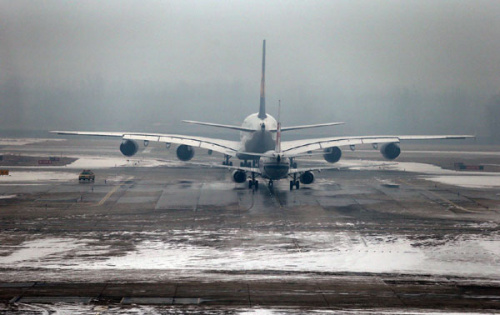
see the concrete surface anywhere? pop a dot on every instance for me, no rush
(156, 235)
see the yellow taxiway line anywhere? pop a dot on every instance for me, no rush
(110, 193)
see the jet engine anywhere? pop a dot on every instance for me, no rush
(306, 178)
(129, 147)
(185, 152)
(390, 150)
(239, 176)
(332, 154)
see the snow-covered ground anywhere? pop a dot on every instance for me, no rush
(90, 162)
(76, 309)
(7, 196)
(476, 256)
(37, 176)
(437, 174)
(24, 141)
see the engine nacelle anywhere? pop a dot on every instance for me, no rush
(129, 147)
(239, 176)
(390, 150)
(332, 154)
(306, 178)
(185, 152)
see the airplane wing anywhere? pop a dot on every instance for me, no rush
(300, 146)
(227, 147)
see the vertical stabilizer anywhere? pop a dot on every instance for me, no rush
(262, 108)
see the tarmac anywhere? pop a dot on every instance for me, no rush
(156, 235)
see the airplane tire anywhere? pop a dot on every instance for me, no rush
(291, 185)
(250, 184)
(297, 184)
(256, 184)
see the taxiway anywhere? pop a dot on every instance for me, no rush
(153, 233)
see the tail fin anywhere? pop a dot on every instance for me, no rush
(262, 108)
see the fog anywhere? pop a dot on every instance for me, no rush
(383, 67)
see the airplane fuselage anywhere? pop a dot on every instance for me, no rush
(259, 141)
(275, 167)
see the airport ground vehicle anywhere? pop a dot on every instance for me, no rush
(86, 175)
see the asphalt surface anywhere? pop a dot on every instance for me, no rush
(152, 234)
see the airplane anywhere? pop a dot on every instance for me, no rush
(275, 165)
(257, 148)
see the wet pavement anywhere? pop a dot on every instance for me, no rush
(165, 234)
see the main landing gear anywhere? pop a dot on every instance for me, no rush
(226, 161)
(246, 164)
(294, 182)
(253, 182)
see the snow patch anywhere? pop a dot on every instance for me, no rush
(468, 181)
(444, 176)
(33, 251)
(109, 162)
(24, 141)
(41, 176)
(7, 196)
(317, 252)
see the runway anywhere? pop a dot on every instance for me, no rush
(153, 234)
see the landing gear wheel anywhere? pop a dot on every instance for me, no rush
(291, 185)
(297, 185)
(253, 183)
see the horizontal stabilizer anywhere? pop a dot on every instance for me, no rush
(311, 126)
(90, 133)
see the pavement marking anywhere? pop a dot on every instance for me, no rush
(111, 192)
(438, 196)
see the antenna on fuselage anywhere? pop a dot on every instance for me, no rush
(278, 129)
(262, 108)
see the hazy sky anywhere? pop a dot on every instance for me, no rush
(192, 57)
